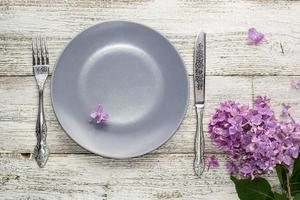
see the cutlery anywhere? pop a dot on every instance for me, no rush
(199, 92)
(40, 62)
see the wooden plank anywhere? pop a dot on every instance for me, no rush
(63, 18)
(92, 177)
(18, 105)
(226, 23)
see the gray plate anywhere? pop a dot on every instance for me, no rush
(138, 77)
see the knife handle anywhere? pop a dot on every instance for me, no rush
(199, 163)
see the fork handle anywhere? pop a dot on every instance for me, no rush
(41, 152)
(199, 163)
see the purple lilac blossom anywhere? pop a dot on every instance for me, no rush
(99, 115)
(254, 140)
(255, 37)
(231, 167)
(285, 110)
(211, 161)
(295, 84)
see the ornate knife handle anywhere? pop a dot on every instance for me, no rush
(199, 163)
(41, 152)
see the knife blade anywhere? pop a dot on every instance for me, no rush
(199, 94)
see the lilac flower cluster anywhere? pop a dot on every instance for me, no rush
(254, 140)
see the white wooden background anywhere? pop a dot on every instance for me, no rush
(235, 70)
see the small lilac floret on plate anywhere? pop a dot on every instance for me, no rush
(99, 115)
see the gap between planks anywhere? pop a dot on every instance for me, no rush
(190, 75)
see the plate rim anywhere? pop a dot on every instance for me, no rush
(173, 132)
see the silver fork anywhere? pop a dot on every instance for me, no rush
(40, 62)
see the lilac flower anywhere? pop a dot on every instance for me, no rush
(254, 140)
(285, 110)
(99, 115)
(255, 37)
(289, 133)
(212, 161)
(295, 84)
(232, 168)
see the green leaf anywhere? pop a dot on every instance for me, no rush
(258, 189)
(297, 196)
(295, 178)
(280, 196)
(280, 169)
(296, 166)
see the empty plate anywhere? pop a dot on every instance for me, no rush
(138, 77)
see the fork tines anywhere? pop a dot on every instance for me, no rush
(40, 54)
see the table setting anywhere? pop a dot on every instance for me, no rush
(126, 108)
(111, 52)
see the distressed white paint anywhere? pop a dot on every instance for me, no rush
(236, 71)
(79, 176)
(226, 23)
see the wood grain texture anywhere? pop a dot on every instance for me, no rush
(236, 71)
(92, 177)
(18, 105)
(226, 23)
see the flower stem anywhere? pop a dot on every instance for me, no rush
(288, 185)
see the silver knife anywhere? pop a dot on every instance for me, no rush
(199, 91)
